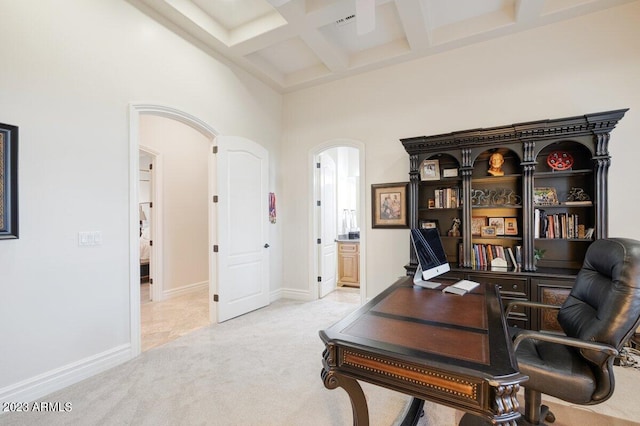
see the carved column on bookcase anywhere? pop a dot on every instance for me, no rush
(528, 169)
(602, 160)
(466, 170)
(414, 181)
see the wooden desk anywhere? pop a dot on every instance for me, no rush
(449, 349)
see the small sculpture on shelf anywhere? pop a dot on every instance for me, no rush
(577, 195)
(494, 196)
(455, 228)
(495, 164)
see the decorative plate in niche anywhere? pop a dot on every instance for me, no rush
(560, 160)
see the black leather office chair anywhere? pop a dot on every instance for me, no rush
(601, 313)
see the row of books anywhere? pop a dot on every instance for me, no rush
(446, 198)
(494, 257)
(559, 225)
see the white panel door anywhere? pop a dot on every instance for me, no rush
(242, 225)
(328, 225)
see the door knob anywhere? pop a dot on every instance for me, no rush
(266, 245)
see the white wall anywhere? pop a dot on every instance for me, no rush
(185, 200)
(585, 65)
(70, 70)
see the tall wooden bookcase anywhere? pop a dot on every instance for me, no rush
(449, 181)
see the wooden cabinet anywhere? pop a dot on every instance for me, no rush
(349, 264)
(552, 291)
(535, 205)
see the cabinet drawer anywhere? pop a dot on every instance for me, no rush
(518, 316)
(348, 247)
(511, 287)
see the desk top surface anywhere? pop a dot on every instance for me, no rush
(424, 326)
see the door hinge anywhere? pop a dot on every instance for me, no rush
(214, 149)
(215, 297)
(151, 205)
(150, 242)
(150, 280)
(318, 203)
(215, 248)
(317, 165)
(319, 240)
(151, 166)
(215, 198)
(319, 279)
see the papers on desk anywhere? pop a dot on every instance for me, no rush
(461, 288)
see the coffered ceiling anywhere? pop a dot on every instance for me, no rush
(292, 44)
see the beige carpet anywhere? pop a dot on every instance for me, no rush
(260, 369)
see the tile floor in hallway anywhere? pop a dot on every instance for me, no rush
(164, 321)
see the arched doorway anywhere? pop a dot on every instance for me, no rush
(338, 173)
(136, 111)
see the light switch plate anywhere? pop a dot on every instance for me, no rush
(89, 238)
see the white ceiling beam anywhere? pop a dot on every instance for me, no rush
(528, 10)
(292, 12)
(335, 59)
(196, 15)
(414, 24)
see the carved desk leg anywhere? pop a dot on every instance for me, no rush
(506, 407)
(333, 379)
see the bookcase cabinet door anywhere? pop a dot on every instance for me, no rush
(552, 292)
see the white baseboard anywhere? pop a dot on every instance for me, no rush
(189, 288)
(42, 385)
(275, 295)
(295, 294)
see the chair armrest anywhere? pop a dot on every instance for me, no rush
(563, 340)
(512, 304)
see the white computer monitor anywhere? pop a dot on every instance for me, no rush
(432, 259)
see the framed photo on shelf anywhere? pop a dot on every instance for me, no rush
(389, 205)
(510, 226)
(488, 231)
(449, 172)
(429, 224)
(545, 196)
(477, 222)
(430, 170)
(498, 223)
(8, 181)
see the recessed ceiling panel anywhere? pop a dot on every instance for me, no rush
(232, 14)
(441, 13)
(344, 34)
(288, 56)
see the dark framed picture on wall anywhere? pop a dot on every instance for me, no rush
(389, 205)
(8, 181)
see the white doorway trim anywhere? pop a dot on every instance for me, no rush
(156, 221)
(314, 217)
(135, 111)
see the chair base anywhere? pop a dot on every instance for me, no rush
(534, 411)
(545, 414)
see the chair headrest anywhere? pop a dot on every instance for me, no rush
(604, 303)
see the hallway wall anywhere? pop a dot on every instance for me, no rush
(70, 71)
(185, 228)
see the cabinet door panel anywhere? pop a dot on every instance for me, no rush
(552, 292)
